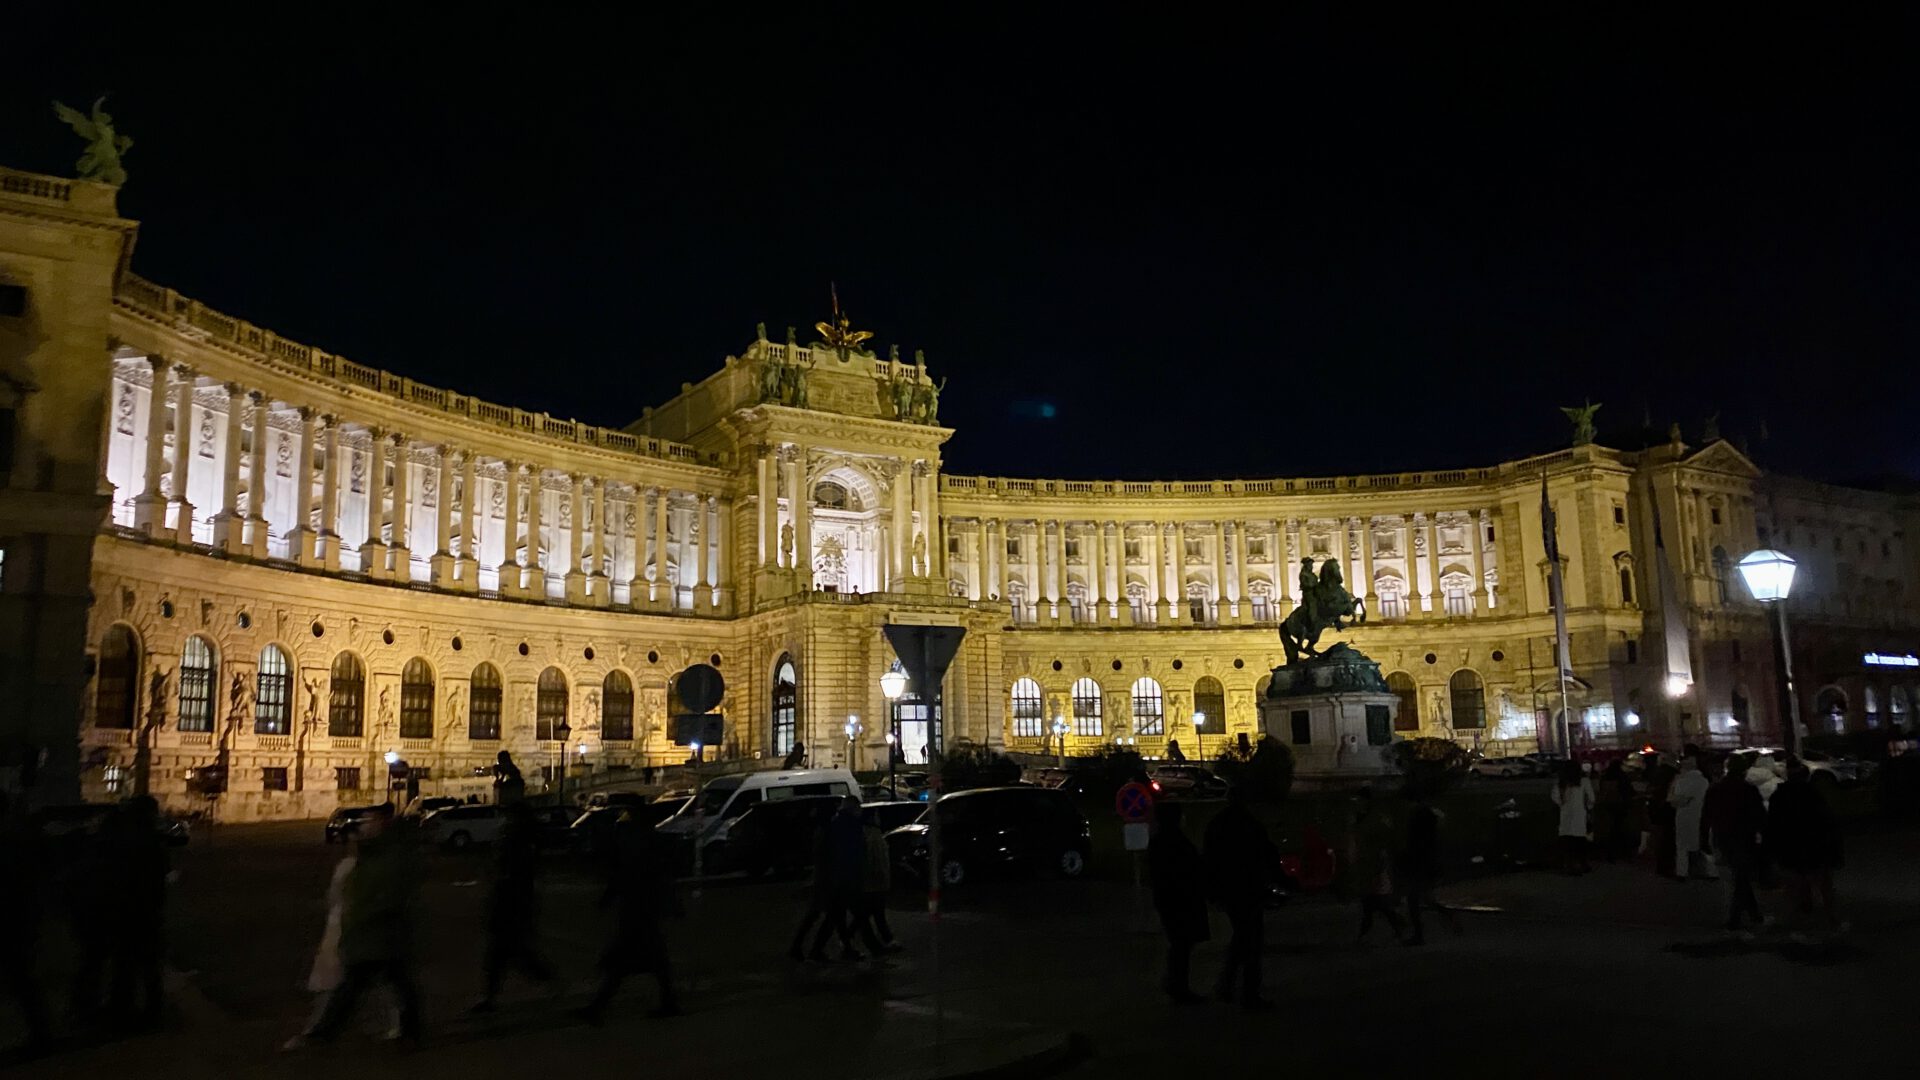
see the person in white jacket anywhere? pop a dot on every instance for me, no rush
(1689, 799)
(1573, 794)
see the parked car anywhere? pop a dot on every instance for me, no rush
(992, 830)
(1501, 767)
(420, 808)
(893, 814)
(727, 797)
(775, 836)
(1189, 782)
(588, 833)
(84, 819)
(345, 821)
(461, 827)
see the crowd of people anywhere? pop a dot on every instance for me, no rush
(847, 898)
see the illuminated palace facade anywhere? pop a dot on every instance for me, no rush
(277, 560)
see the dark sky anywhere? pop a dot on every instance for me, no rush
(1214, 248)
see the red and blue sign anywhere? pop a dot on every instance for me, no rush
(1134, 802)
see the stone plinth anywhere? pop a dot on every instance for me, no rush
(1334, 711)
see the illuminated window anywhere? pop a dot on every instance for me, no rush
(786, 706)
(616, 708)
(830, 496)
(1086, 708)
(272, 693)
(198, 674)
(483, 704)
(550, 710)
(1469, 699)
(1149, 708)
(346, 697)
(1210, 700)
(1029, 710)
(416, 700)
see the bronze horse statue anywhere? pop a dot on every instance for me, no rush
(1325, 604)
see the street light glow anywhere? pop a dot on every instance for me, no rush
(392, 756)
(1199, 718)
(1768, 574)
(893, 684)
(1678, 685)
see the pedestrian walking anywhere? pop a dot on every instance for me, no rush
(508, 785)
(1242, 865)
(1803, 842)
(1370, 865)
(1573, 794)
(512, 907)
(376, 929)
(1613, 811)
(21, 852)
(1688, 795)
(1736, 825)
(640, 890)
(1180, 896)
(139, 868)
(839, 850)
(876, 881)
(1660, 816)
(325, 974)
(1417, 870)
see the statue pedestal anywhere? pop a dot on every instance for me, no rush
(1335, 712)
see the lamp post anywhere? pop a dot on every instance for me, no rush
(853, 733)
(1199, 737)
(893, 684)
(1769, 577)
(1060, 738)
(561, 734)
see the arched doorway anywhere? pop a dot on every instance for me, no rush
(1830, 709)
(116, 694)
(786, 707)
(1401, 685)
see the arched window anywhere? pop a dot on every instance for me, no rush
(1469, 699)
(1137, 601)
(1392, 592)
(1407, 718)
(1872, 701)
(1831, 703)
(1456, 591)
(273, 693)
(346, 697)
(1897, 705)
(831, 496)
(1029, 710)
(117, 695)
(1210, 700)
(483, 704)
(786, 706)
(1260, 598)
(1086, 708)
(550, 709)
(1149, 708)
(198, 675)
(416, 700)
(616, 707)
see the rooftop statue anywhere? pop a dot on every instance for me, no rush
(101, 161)
(838, 332)
(1582, 417)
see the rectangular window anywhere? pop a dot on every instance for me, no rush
(1262, 609)
(1133, 550)
(1193, 547)
(1619, 514)
(953, 546)
(1256, 547)
(273, 778)
(1633, 651)
(1013, 547)
(1714, 513)
(1073, 547)
(1302, 723)
(1489, 534)
(347, 778)
(1379, 725)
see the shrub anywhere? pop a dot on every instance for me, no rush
(976, 767)
(1428, 767)
(1111, 765)
(1264, 772)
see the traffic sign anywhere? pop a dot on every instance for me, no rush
(1134, 802)
(1134, 835)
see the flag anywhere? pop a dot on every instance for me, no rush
(1556, 587)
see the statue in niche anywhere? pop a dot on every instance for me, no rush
(1582, 417)
(786, 544)
(456, 715)
(386, 708)
(313, 703)
(920, 554)
(237, 700)
(156, 699)
(105, 146)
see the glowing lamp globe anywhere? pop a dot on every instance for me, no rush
(392, 757)
(1199, 718)
(893, 684)
(1769, 574)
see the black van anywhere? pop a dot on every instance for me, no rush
(992, 830)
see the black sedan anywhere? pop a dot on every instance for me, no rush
(994, 830)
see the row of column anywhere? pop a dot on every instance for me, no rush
(356, 462)
(1042, 583)
(784, 523)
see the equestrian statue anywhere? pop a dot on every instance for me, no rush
(1324, 604)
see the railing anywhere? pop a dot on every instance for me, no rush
(39, 187)
(1378, 482)
(165, 306)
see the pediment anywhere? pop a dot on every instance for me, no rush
(1721, 456)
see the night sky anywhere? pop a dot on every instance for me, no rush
(1138, 248)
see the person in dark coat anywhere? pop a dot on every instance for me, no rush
(1802, 841)
(512, 907)
(876, 881)
(376, 928)
(1661, 817)
(1370, 864)
(22, 854)
(138, 867)
(640, 889)
(1242, 865)
(1736, 822)
(1613, 808)
(508, 786)
(829, 895)
(1180, 896)
(1418, 868)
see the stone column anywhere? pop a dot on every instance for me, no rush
(767, 513)
(637, 594)
(183, 429)
(1436, 601)
(1114, 571)
(1051, 570)
(1220, 590)
(722, 554)
(300, 538)
(1412, 597)
(803, 524)
(599, 574)
(329, 555)
(440, 568)
(536, 586)
(999, 547)
(576, 582)
(1365, 527)
(468, 569)
(150, 507)
(662, 588)
(510, 584)
(373, 550)
(257, 478)
(1241, 579)
(977, 588)
(790, 479)
(1288, 577)
(698, 532)
(936, 534)
(1162, 610)
(229, 532)
(402, 546)
(1096, 575)
(902, 525)
(1477, 524)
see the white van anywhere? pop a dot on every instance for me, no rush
(726, 798)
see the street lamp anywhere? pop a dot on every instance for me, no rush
(1769, 577)
(392, 757)
(1060, 736)
(892, 684)
(561, 733)
(853, 732)
(1199, 737)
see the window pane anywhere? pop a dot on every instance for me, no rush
(616, 694)
(273, 693)
(196, 686)
(483, 710)
(346, 691)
